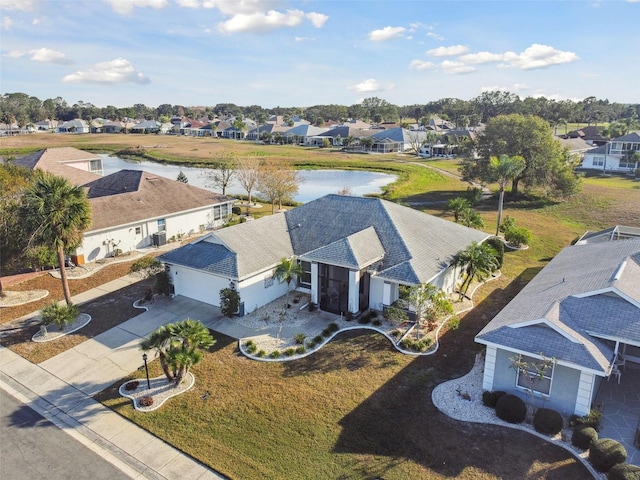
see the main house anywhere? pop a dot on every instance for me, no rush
(130, 209)
(355, 252)
(577, 320)
(614, 156)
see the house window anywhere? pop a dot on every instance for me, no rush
(95, 166)
(217, 215)
(535, 374)
(304, 281)
(598, 161)
(626, 162)
(162, 225)
(138, 230)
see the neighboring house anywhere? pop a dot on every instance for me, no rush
(112, 126)
(612, 157)
(590, 135)
(396, 140)
(619, 232)
(146, 126)
(355, 253)
(130, 209)
(303, 134)
(582, 311)
(74, 126)
(337, 134)
(46, 125)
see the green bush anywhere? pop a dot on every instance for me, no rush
(59, 315)
(547, 421)
(373, 313)
(300, 350)
(489, 399)
(261, 354)
(518, 236)
(507, 224)
(624, 471)
(583, 436)
(511, 409)
(333, 327)
(299, 338)
(317, 339)
(289, 352)
(311, 344)
(326, 332)
(236, 210)
(363, 320)
(592, 419)
(454, 323)
(605, 453)
(497, 244)
(275, 354)
(377, 322)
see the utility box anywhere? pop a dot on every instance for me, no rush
(159, 239)
(78, 259)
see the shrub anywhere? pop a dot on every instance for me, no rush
(498, 246)
(583, 436)
(289, 351)
(59, 315)
(511, 409)
(145, 401)
(547, 421)
(275, 354)
(317, 339)
(605, 453)
(518, 236)
(326, 332)
(396, 333)
(348, 316)
(377, 322)
(373, 313)
(299, 338)
(490, 399)
(261, 354)
(333, 327)
(252, 348)
(507, 224)
(229, 301)
(624, 471)
(311, 344)
(300, 350)
(454, 323)
(592, 419)
(236, 210)
(363, 320)
(132, 385)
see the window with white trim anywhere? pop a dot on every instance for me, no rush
(535, 374)
(304, 280)
(598, 161)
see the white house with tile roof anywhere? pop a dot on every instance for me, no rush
(583, 312)
(612, 156)
(355, 253)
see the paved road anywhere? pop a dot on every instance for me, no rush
(33, 448)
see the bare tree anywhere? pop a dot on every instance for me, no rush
(223, 174)
(247, 173)
(278, 184)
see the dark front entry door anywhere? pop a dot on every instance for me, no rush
(334, 288)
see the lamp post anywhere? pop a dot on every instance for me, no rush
(146, 369)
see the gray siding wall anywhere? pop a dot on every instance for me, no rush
(564, 385)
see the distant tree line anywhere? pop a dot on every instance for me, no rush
(23, 109)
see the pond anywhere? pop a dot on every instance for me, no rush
(315, 183)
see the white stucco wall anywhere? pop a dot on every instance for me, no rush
(256, 292)
(198, 285)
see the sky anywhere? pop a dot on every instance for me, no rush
(315, 52)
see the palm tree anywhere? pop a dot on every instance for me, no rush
(160, 341)
(59, 213)
(504, 169)
(287, 270)
(479, 260)
(458, 206)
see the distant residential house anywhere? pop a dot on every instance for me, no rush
(355, 253)
(612, 157)
(74, 126)
(396, 139)
(130, 209)
(590, 135)
(112, 126)
(146, 126)
(336, 135)
(46, 125)
(303, 134)
(618, 232)
(573, 326)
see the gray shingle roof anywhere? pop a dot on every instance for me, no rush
(586, 291)
(212, 258)
(353, 230)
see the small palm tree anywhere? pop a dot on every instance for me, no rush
(479, 260)
(458, 206)
(287, 270)
(160, 340)
(59, 213)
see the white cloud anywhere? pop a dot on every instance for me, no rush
(15, 54)
(435, 36)
(189, 3)
(451, 51)
(317, 19)
(518, 87)
(236, 7)
(421, 65)
(369, 85)
(481, 57)
(6, 23)
(539, 56)
(304, 39)
(47, 55)
(113, 72)
(262, 22)
(125, 7)
(25, 5)
(386, 33)
(451, 67)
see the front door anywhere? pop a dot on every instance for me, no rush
(333, 284)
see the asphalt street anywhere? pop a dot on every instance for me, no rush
(33, 448)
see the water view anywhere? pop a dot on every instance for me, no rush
(315, 183)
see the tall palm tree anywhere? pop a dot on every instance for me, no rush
(479, 260)
(59, 214)
(504, 169)
(160, 340)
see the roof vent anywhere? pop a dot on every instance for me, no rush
(620, 270)
(152, 179)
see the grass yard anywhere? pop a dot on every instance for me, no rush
(356, 409)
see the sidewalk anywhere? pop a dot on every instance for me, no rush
(61, 389)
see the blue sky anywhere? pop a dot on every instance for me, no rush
(303, 53)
